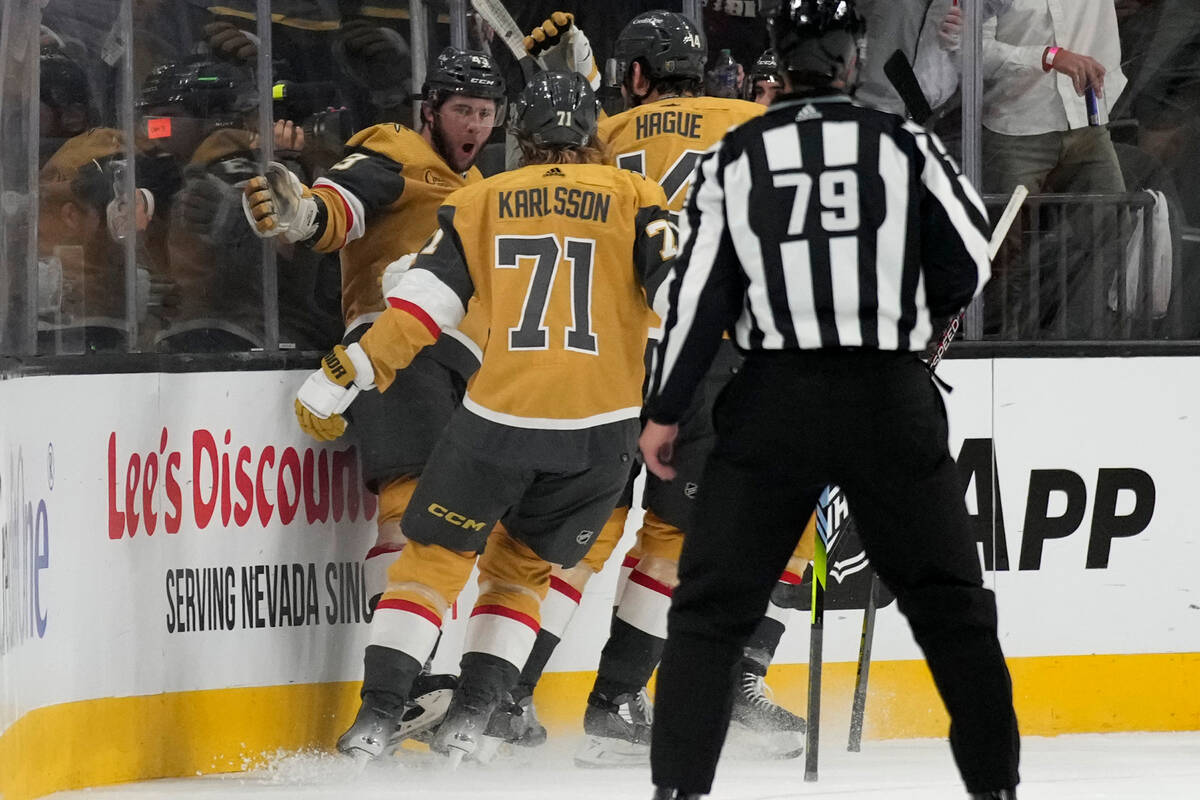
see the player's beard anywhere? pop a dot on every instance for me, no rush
(447, 152)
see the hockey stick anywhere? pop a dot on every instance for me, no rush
(829, 536)
(900, 72)
(496, 15)
(998, 236)
(858, 706)
(816, 646)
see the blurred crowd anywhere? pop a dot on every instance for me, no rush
(143, 245)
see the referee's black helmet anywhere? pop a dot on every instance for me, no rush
(557, 109)
(818, 42)
(667, 44)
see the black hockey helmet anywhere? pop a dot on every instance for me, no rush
(814, 39)
(766, 68)
(557, 109)
(469, 73)
(669, 45)
(63, 81)
(65, 93)
(202, 88)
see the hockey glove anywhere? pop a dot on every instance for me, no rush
(373, 55)
(278, 204)
(207, 207)
(563, 47)
(230, 42)
(344, 372)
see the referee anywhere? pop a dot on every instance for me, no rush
(823, 236)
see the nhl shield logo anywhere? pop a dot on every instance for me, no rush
(689, 490)
(585, 536)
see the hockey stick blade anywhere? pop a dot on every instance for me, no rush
(900, 72)
(496, 15)
(1006, 220)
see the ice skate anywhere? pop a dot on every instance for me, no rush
(464, 731)
(616, 731)
(516, 722)
(771, 728)
(375, 731)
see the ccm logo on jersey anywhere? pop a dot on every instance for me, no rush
(454, 518)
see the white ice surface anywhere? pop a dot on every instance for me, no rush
(1143, 766)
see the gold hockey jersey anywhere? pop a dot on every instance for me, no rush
(663, 140)
(561, 259)
(382, 202)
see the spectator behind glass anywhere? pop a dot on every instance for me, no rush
(202, 112)
(891, 25)
(938, 63)
(81, 259)
(199, 112)
(1160, 40)
(65, 101)
(1039, 57)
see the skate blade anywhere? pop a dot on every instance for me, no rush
(454, 758)
(598, 752)
(359, 758)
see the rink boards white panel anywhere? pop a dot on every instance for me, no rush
(89, 608)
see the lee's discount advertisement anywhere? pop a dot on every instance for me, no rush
(177, 532)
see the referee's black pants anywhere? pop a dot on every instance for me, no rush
(787, 425)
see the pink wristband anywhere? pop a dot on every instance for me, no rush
(1048, 59)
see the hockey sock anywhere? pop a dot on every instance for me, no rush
(486, 679)
(760, 647)
(375, 569)
(789, 592)
(559, 607)
(627, 564)
(387, 677)
(543, 648)
(627, 661)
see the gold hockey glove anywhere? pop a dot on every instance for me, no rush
(344, 372)
(278, 204)
(564, 47)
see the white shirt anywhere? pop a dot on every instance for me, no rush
(937, 67)
(1019, 97)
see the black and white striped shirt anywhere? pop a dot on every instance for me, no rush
(822, 224)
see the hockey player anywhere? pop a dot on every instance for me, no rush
(832, 391)
(764, 81)
(661, 57)
(558, 260)
(377, 204)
